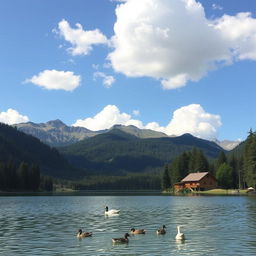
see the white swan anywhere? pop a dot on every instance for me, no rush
(111, 212)
(180, 236)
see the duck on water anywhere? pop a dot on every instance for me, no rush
(121, 240)
(81, 234)
(111, 212)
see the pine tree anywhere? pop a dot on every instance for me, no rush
(224, 176)
(192, 160)
(166, 182)
(22, 174)
(221, 159)
(249, 160)
(201, 164)
(250, 174)
(235, 176)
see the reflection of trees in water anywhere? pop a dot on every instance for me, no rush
(251, 221)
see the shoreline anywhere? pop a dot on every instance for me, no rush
(229, 192)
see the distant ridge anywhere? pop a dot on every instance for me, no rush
(227, 144)
(117, 152)
(140, 133)
(55, 132)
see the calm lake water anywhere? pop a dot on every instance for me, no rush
(47, 225)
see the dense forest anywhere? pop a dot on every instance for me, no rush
(23, 178)
(117, 160)
(117, 153)
(236, 169)
(20, 147)
(130, 181)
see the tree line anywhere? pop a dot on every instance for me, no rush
(23, 177)
(232, 170)
(130, 181)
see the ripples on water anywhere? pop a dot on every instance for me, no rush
(47, 225)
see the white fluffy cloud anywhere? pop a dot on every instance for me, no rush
(191, 119)
(195, 120)
(107, 80)
(240, 32)
(80, 39)
(174, 42)
(56, 80)
(12, 116)
(105, 119)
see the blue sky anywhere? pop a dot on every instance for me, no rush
(172, 66)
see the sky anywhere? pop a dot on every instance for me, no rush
(174, 66)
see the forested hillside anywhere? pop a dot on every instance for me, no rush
(117, 152)
(17, 147)
(235, 169)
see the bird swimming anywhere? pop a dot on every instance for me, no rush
(161, 231)
(111, 212)
(81, 234)
(180, 236)
(137, 231)
(121, 240)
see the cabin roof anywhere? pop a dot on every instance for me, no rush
(196, 176)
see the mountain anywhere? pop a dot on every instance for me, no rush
(118, 152)
(140, 133)
(55, 133)
(227, 144)
(18, 147)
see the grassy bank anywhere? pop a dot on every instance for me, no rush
(223, 192)
(210, 192)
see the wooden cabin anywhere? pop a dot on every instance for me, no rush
(198, 181)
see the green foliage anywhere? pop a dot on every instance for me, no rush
(22, 178)
(221, 159)
(166, 181)
(187, 162)
(224, 176)
(19, 147)
(249, 160)
(116, 152)
(130, 181)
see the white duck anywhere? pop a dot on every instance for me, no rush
(111, 212)
(180, 236)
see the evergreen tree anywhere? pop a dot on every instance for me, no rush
(250, 174)
(235, 175)
(22, 174)
(183, 164)
(224, 176)
(201, 163)
(221, 159)
(2, 176)
(166, 182)
(249, 160)
(35, 177)
(192, 160)
(174, 171)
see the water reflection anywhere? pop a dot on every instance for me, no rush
(180, 244)
(48, 225)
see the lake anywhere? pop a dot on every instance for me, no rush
(47, 225)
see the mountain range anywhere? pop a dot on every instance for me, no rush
(56, 133)
(119, 151)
